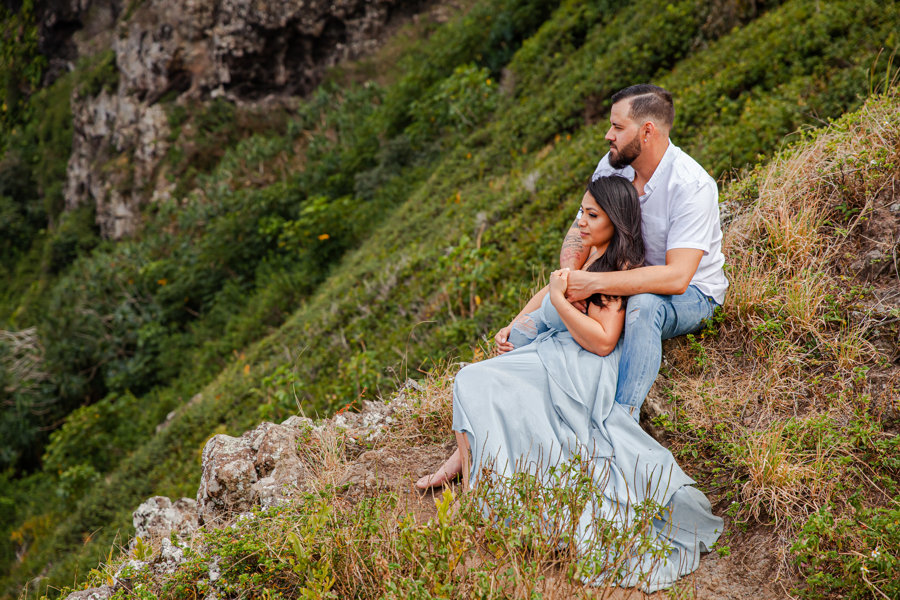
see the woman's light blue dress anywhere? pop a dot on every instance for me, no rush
(550, 401)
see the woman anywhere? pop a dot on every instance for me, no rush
(548, 399)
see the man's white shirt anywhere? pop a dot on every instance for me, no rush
(680, 209)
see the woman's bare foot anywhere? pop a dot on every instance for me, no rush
(445, 474)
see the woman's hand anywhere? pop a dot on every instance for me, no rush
(559, 281)
(502, 339)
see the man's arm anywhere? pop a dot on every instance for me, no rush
(670, 278)
(573, 253)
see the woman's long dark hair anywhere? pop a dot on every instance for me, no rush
(619, 200)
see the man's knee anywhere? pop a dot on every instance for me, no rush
(643, 308)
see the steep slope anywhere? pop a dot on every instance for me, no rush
(803, 467)
(407, 221)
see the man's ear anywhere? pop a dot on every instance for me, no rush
(648, 130)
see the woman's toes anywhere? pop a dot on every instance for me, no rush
(425, 482)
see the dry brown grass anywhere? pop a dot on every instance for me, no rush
(762, 399)
(781, 481)
(794, 341)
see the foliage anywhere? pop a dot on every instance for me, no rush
(33, 168)
(513, 535)
(855, 555)
(459, 103)
(98, 74)
(782, 391)
(382, 228)
(201, 133)
(21, 66)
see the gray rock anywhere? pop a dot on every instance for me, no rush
(117, 143)
(260, 467)
(268, 492)
(169, 558)
(132, 566)
(126, 572)
(249, 51)
(158, 517)
(215, 571)
(228, 473)
(655, 404)
(98, 593)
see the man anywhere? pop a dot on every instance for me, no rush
(682, 281)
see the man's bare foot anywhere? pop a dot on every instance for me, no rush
(445, 474)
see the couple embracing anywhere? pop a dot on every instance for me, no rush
(641, 263)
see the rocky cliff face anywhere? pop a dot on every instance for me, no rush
(246, 51)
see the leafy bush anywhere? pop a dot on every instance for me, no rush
(95, 438)
(460, 103)
(19, 219)
(850, 556)
(21, 66)
(75, 235)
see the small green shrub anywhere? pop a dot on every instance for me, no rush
(98, 73)
(458, 104)
(854, 555)
(75, 235)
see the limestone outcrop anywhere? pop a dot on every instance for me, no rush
(258, 468)
(157, 517)
(249, 52)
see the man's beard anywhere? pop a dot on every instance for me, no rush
(625, 156)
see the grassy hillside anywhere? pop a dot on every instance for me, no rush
(784, 408)
(318, 258)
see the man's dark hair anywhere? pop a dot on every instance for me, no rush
(648, 102)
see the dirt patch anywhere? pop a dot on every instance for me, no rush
(752, 569)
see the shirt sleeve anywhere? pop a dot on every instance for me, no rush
(695, 212)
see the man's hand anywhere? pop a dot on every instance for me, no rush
(581, 286)
(502, 339)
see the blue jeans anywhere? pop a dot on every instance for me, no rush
(650, 319)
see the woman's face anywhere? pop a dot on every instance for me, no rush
(594, 225)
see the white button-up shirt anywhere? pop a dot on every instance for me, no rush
(680, 209)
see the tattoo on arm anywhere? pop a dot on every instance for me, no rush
(573, 253)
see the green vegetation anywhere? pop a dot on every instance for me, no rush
(514, 540)
(319, 547)
(852, 555)
(319, 256)
(21, 66)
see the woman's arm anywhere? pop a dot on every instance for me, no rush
(502, 337)
(599, 330)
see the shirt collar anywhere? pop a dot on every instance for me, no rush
(664, 165)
